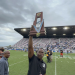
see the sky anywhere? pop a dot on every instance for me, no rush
(21, 14)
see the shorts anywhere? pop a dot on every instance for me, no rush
(50, 56)
(61, 53)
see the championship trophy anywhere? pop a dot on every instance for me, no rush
(38, 25)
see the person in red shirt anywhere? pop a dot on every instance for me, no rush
(61, 53)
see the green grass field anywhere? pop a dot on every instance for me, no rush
(18, 64)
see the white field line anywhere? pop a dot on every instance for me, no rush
(73, 57)
(55, 63)
(25, 55)
(20, 61)
(17, 62)
(70, 57)
(67, 61)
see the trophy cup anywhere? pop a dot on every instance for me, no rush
(38, 25)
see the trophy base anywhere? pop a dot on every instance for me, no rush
(37, 34)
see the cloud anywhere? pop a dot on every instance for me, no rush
(21, 13)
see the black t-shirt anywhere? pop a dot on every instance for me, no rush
(61, 51)
(36, 67)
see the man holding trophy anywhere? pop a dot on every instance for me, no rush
(36, 65)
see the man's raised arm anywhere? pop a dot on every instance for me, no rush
(30, 47)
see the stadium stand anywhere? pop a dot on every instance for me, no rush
(61, 38)
(65, 43)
